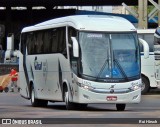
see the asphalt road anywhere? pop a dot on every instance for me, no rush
(12, 105)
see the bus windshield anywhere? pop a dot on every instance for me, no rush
(109, 57)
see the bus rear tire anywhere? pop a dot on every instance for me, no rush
(120, 107)
(145, 85)
(37, 102)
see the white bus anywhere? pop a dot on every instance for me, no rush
(81, 60)
(147, 65)
(157, 55)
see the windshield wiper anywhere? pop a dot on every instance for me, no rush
(121, 69)
(104, 65)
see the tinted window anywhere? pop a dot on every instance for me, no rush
(22, 43)
(149, 38)
(45, 41)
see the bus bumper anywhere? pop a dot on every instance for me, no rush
(86, 96)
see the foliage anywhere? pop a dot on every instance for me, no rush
(149, 8)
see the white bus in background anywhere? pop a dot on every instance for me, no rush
(147, 65)
(157, 55)
(81, 60)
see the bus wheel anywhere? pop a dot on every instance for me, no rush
(6, 89)
(120, 107)
(1, 91)
(69, 105)
(145, 85)
(37, 102)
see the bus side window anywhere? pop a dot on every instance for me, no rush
(46, 41)
(30, 45)
(34, 41)
(22, 43)
(54, 41)
(62, 41)
(149, 38)
(40, 42)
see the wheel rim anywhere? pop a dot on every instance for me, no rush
(66, 98)
(32, 96)
(142, 86)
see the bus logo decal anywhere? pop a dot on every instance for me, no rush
(37, 66)
(112, 86)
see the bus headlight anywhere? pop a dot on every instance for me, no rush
(135, 87)
(85, 86)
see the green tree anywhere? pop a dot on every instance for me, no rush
(149, 8)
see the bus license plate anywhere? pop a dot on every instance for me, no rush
(111, 98)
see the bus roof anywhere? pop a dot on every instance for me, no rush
(86, 23)
(146, 31)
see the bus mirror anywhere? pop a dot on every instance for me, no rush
(145, 48)
(75, 47)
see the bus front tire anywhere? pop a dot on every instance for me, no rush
(145, 85)
(120, 107)
(69, 105)
(37, 102)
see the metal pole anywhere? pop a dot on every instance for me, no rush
(143, 16)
